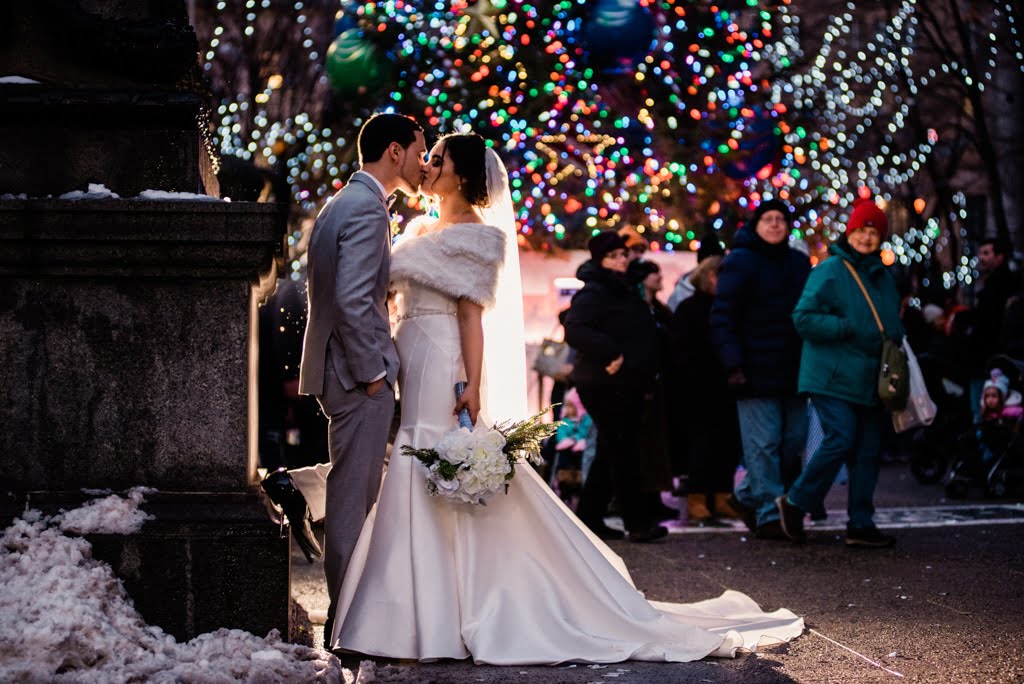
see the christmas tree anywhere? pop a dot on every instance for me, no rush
(608, 113)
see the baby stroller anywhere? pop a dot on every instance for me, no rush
(996, 463)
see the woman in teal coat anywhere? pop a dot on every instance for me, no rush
(839, 371)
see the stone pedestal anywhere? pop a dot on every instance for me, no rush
(128, 336)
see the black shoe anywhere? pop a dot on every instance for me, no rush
(791, 520)
(605, 532)
(747, 514)
(648, 535)
(282, 491)
(663, 512)
(328, 628)
(770, 530)
(868, 537)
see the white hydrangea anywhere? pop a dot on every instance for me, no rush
(484, 466)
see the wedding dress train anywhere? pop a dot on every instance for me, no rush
(518, 581)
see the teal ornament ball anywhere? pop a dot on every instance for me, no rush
(355, 65)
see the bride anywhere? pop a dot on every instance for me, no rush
(520, 580)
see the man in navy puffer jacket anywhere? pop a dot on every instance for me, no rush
(759, 283)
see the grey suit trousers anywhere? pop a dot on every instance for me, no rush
(357, 439)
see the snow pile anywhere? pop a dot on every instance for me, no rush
(95, 191)
(65, 617)
(111, 515)
(167, 195)
(10, 196)
(18, 79)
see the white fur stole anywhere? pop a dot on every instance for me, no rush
(461, 261)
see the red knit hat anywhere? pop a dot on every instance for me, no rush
(866, 213)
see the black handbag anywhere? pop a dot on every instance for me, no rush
(551, 358)
(894, 371)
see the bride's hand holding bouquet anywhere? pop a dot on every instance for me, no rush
(468, 465)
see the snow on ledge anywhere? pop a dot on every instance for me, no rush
(166, 195)
(95, 191)
(100, 191)
(18, 80)
(110, 515)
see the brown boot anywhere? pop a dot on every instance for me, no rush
(697, 508)
(723, 509)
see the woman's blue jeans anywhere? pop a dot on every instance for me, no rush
(773, 431)
(853, 436)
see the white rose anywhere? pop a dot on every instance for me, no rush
(446, 487)
(493, 439)
(454, 445)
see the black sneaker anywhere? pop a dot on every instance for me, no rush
(648, 535)
(868, 537)
(747, 514)
(606, 533)
(770, 530)
(791, 519)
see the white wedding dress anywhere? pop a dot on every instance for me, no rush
(520, 580)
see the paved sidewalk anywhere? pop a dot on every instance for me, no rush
(943, 605)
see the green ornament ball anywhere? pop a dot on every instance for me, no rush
(355, 65)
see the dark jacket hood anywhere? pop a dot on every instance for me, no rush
(591, 271)
(749, 239)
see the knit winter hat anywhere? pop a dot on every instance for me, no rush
(709, 246)
(868, 214)
(639, 269)
(763, 208)
(605, 242)
(998, 381)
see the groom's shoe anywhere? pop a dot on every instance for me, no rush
(328, 629)
(282, 491)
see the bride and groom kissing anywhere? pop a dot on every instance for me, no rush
(521, 580)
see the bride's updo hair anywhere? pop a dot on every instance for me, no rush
(468, 153)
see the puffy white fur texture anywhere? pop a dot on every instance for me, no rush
(462, 261)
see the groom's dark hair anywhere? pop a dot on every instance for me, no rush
(380, 130)
(467, 152)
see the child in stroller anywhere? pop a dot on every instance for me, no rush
(997, 461)
(570, 441)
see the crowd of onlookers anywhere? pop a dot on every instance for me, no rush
(752, 343)
(750, 348)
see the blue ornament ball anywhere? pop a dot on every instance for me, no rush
(618, 34)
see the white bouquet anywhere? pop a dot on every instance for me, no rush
(469, 465)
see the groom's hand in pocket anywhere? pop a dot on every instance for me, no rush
(373, 387)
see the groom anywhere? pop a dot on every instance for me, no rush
(349, 362)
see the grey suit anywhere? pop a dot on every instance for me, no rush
(348, 344)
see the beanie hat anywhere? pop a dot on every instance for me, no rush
(998, 381)
(868, 214)
(639, 269)
(605, 242)
(763, 208)
(709, 246)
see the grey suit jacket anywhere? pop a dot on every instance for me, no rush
(347, 284)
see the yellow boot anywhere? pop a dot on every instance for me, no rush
(697, 508)
(723, 509)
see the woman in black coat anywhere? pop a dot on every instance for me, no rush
(707, 405)
(616, 342)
